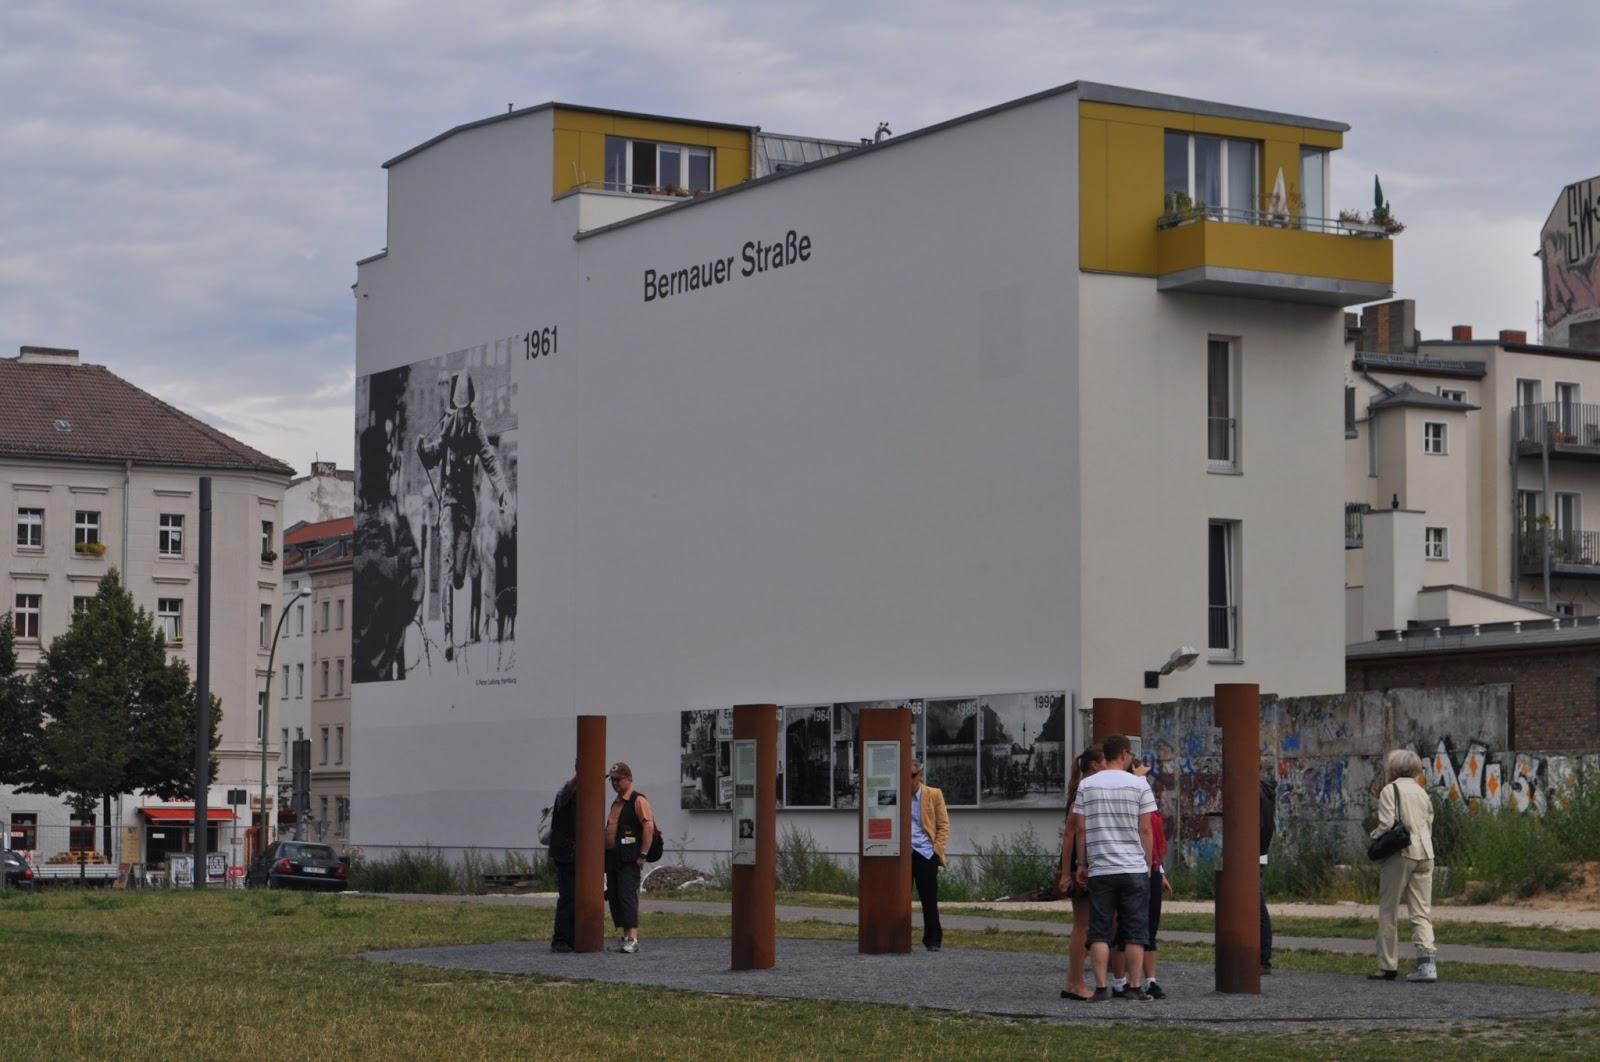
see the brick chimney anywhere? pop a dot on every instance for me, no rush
(1513, 335)
(1389, 327)
(47, 356)
(1459, 333)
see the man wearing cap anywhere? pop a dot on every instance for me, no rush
(630, 827)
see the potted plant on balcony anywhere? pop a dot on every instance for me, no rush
(1382, 216)
(1356, 223)
(91, 549)
(1178, 209)
(268, 556)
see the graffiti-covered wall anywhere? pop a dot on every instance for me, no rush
(1326, 757)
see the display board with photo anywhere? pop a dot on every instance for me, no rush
(435, 569)
(1005, 750)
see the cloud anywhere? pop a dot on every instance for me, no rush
(188, 184)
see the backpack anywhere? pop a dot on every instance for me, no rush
(656, 846)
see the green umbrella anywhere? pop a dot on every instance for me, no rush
(1378, 204)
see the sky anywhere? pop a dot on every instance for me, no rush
(185, 185)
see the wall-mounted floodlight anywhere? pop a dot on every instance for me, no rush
(1182, 659)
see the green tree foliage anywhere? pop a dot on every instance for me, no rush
(114, 714)
(17, 732)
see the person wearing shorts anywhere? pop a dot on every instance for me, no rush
(1115, 847)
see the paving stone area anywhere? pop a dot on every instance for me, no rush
(1008, 984)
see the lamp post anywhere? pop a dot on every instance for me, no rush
(266, 708)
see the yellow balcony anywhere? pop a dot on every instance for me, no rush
(1327, 263)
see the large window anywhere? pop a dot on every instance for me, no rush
(1314, 182)
(169, 615)
(338, 747)
(169, 535)
(1223, 628)
(283, 694)
(324, 678)
(324, 748)
(25, 617)
(30, 528)
(648, 166)
(1218, 172)
(1569, 411)
(338, 614)
(338, 689)
(86, 528)
(265, 625)
(1569, 514)
(299, 681)
(1222, 425)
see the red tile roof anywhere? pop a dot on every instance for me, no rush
(79, 412)
(341, 525)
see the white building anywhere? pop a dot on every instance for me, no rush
(97, 474)
(988, 416)
(327, 492)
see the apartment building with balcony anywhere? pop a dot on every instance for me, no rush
(97, 474)
(1018, 401)
(1480, 453)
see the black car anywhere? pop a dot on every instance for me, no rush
(297, 865)
(18, 872)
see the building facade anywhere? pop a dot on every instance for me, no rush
(903, 424)
(97, 475)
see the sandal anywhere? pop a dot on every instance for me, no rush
(1074, 996)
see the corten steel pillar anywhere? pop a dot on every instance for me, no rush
(589, 871)
(755, 889)
(1117, 715)
(1238, 903)
(883, 912)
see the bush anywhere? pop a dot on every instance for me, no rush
(1508, 852)
(1307, 870)
(1198, 882)
(538, 871)
(1014, 865)
(1576, 827)
(803, 867)
(425, 871)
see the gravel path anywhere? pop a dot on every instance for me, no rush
(1009, 984)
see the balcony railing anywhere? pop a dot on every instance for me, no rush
(1568, 550)
(1248, 216)
(1220, 449)
(1222, 640)
(1353, 528)
(1560, 424)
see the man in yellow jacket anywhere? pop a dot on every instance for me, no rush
(930, 833)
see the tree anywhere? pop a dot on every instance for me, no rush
(113, 713)
(17, 732)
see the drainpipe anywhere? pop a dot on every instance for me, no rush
(127, 477)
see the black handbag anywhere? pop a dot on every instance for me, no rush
(1396, 838)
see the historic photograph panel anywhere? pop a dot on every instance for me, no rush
(951, 757)
(846, 769)
(705, 771)
(435, 569)
(1023, 750)
(807, 754)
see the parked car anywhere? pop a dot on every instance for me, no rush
(297, 865)
(18, 871)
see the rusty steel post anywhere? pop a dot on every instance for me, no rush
(1238, 949)
(755, 888)
(883, 912)
(589, 870)
(1117, 715)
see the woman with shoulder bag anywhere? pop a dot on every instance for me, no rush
(1087, 763)
(1405, 825)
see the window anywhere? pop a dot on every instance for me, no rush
(1221, 425)
(169, 616)
(261, 716)
(1350, 413)
(1569, 608)
(299, 681)
(80, 605)
(645, 166)
(1314, 182)
(266, 624)
(1436, 543)
(338, 614)
(1215, 171)
(25, 617)
(268, 552)
(338, 687)
(1223, 628)
(25, 830)
(80, 834)
(323, 803)
(1528, 393)
(325, 626)
(300, 620)
(86, 528)
(1454, 396)
(1569, 414)
(285, 739)
(299, 733)
(169, 535)
(324, 746)
(342, 809)
(283, 694)
(324, 678)
(1433, 438)
(338, 747)
(30, 529)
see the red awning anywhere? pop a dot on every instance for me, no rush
(184, 813)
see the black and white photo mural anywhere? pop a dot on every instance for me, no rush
(1001, 750)
(435, 570)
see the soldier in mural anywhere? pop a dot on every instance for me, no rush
(388, 564)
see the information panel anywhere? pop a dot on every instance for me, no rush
(880, 804)
(744, 802)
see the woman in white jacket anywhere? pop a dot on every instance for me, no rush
(1408, 873)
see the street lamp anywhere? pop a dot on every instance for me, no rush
(266, 710)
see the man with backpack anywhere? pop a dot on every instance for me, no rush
(630, 837)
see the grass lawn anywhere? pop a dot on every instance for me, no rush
(152, 975)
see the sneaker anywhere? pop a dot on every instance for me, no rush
(1101, 995)
(630, 946)
(1119, 993)
(1266, 968)
(1154, 990)
(1137, 995)
(1426, 973)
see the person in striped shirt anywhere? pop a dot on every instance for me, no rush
(1116, 854)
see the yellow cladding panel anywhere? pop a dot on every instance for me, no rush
(1265, 249)
(1092, 194)
(580, 138)
(1134, 167)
